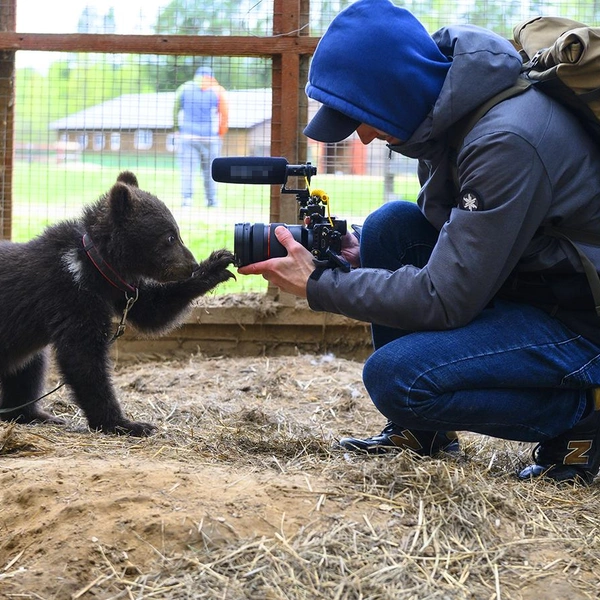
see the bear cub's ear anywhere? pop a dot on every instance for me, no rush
(129, 178)
(121, 200)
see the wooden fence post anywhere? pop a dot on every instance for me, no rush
(290, 18)
(8, 22)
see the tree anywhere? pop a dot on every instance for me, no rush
(88, 20)
(219, 17)
(91, 21)
(499, 17)
(322, 13)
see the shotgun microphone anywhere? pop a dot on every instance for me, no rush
(258, 170)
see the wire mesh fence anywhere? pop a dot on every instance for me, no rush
(74, 119)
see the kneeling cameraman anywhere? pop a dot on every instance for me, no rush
(480, 321)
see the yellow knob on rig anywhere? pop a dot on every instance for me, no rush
(322, 195)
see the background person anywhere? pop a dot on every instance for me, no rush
(480, 321)
(200, 115)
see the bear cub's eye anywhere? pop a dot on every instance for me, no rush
(172, 239)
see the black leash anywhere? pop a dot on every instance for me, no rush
(12, 409)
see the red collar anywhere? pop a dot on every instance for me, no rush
(105, 269)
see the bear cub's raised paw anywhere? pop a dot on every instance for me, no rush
(215, 266)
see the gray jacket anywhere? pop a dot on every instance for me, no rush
(530, 164)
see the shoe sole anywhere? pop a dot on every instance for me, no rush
(452, 448)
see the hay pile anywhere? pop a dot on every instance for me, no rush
(240, 495)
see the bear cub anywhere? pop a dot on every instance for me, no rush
(122, 258)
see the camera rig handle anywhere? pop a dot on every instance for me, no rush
(333, 260)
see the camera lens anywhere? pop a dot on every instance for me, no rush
(257, 242)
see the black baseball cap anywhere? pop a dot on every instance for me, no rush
(330, 125)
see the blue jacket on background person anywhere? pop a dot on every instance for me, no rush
(201, 106)
(200, 116)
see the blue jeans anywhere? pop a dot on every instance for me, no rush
(514, 372)
(195, 154)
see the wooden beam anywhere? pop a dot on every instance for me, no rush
(247, 331)
(158, 44)
(7, 87)
(290, 17)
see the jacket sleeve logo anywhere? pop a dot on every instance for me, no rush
(470, 200)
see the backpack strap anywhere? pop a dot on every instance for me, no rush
(456, 136)
(584, 237)
(461, 128)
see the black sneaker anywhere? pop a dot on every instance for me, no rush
(394, 438)
(572, 456)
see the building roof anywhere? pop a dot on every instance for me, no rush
(247, 108)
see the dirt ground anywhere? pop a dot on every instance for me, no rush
(242, 494)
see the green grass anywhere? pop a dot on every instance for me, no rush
(44, 193)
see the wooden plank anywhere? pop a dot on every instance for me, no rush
(234, 340)
(7, 86)
(158, 44)
(289, 18)
(283, 314)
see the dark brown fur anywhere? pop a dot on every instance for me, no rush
(51, 294)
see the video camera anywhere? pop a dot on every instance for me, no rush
(319, 233)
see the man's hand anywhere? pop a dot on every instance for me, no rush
(351, 249)
(289, 273)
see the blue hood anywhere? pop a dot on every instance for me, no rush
(378, 65)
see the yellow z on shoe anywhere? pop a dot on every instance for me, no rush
(573, 456)
(394, 438)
